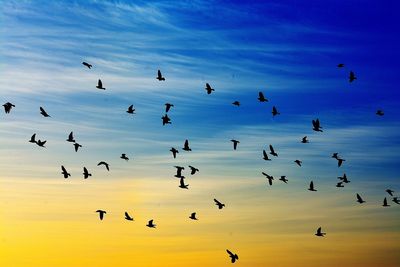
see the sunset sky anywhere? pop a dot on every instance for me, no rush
(287, 49)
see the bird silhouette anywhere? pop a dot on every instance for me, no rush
(127, 217)
(283, 179)
(344, 178)
(261, 97)
(168, 106)
(71, 137)
(33, 137)
(64, 172)
(41, 143)
(319, 232)
(304, 140)
(235, 143)
(174, 151)
(87, 64)
(209, 89)
(193, 170)
(316, 125)
(298, 162)
(151, 224)
(182, 183)
(8, 106)
(380, 112)
(159, 76)
(275, 111)
(101, 213)
(77, 146)
(186, 146)
(43, 112)
(385, 204)
(339, 184)
(389, 191)
(236, 103)
(100, 85)
(265, 155)
(219, 204)
(269, 177)
(396, 200)
(341, 65)
(311, 187)
(165, 119)
(193, 216)
(123, 156)
(359, 199)
(234, 257)
(86, 173)
(352, 76)
(131, 110)
(272, 151)
(105, 164)
(179, 171)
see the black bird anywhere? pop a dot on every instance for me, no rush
(385, 204)
(159, 76)
(77, 146)
(193, 216)
(304, 140)
(298, 162)
(396, 200)
(235, 143)
(71, 138)
(352, 76)
(186, 146)
(319, 232)
(8, 106)
(64, 172)
(193, 170)
(380, 112)
(86, 173)
(165, 119)
(182, 183)
(234, 257)
(311, 188)
(100, 85)
(339, 184)
(236, 103)
(101, 213)
(265, 155)
(269, 177)
(131, 110)
(123, 156)
(179, 171)
(283, 179)
(168, 106)
(41, 143)
(174, 151)
(105, 164)
(261, 97)
(389, 191)
(87, 64)
(316, 125)
(275, 111)
(359, 199)
(33, 139)
(43, 112)
(344, 178)
(340, 162)
(209, 89)
(341, 65)
(219, 204)
(127, 217)
(151, 224)
(272, 151)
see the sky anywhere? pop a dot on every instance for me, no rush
(289, 50)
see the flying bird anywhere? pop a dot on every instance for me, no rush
(159, 76)
(179, 171)
(341, 65)
(209, 89)
(101, 213)
(193, 170)
(33, 137)
(168, 106)
(165, 119)
(261, 97)
(151, 224)
(344, 178)
(352, 76)
(131, 110)
(127, 217)
(41, 143)
(275, 111)
(64, 172)
(359, 199)
(298, 162)
(385, 204)
(380, 112)
(316, 125)
(233, 257)
(235, 143)
(236, 103)
(105, 164)
(193, 216)
(389, 191)
(272, 151)
(77, 146)
(86, 173)
(8, 106)
(219, 204)
(174, 151)
(265, 155)
(100, 85)
(319, 232)
(304, 140)
(186, 146)
(87, 64)
(283, 179)
(311, 187)
(182, 183)
(269, 177)
(43, 112)
(123, 156)
(71, 138)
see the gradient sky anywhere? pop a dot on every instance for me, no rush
(287, 49)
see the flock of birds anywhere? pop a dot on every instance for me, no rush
(316, 126)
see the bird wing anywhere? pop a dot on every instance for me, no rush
(186, 144)
(99, 83)
(127, 215)
(359, 197)
(311, 185)
(217, 202)
(63, 169)
(42, 110)
(271, 148)
(230, 253)
(261, 95)
(71, 136)
(274, 109)
(208, 87)
(159, 74)
(319, 230)
(182, 182)
(85, 170)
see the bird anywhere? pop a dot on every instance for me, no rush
(311, 187)
(209, 89)
(193, 216)
(380, 112)
(123, 156)
(86, 173)
(174, 151)
(265, 155)
(64, 172)
(186, 146)
(33, 138)
(344, 178)
(127, 217)
(179, 171)
(101, 213)
(335, 155)
(219, 204)
(100, 85)
(165, 119)
(339, 184)
(389, 191)
(396, 200)
(304, 140)
(168, 106)
(71, 138)
(352, 76)
(235, 143)
(340, 65)
(272, 151)
(269, 177)
(8, 106)
(283, 179)
(298, 162)
(316, 125)
(319, 232)
(261, 97)
(193, 170)
(275, 111)
(43, 112)
(340, 162)
(105, 164)
(77, 146)
(385, 204)
(182, 183)
(131, 110)
(359, 199)
(233, 257)
(159, 76)
(151, 224)
(87, 64)
(236, 103)
(41, 143)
